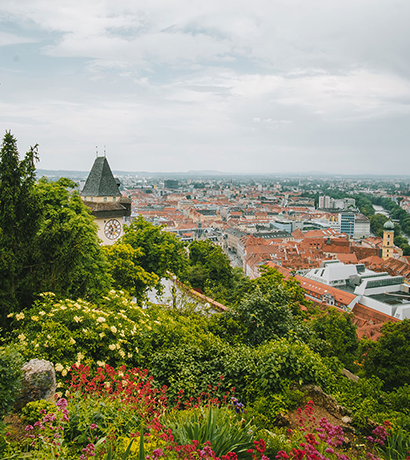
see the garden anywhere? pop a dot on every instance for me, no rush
(265, 379)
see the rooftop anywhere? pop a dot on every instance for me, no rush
(100, 181)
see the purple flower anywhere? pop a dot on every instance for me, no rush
(61, 403)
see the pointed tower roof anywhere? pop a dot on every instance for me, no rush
(100, 181)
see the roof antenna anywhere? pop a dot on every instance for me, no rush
(96, 151)
(105, 152)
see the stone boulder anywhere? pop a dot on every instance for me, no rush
(39, 382)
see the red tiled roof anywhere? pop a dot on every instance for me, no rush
(319, 289)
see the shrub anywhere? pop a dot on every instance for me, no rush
(32, 411)
(11, 375)
(226, 430)
(66, 332)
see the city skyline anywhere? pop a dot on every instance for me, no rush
(237, 87)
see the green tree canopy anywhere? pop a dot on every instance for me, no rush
(19, 220)
(338, 330)
(126, 271)
(160, 251)
(69, 259)
(389, 357)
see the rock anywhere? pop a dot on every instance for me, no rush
(39, 382)
(320, 398)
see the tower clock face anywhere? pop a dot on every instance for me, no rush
(112, 229)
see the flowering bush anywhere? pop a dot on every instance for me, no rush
(68, 332)
(46, 436)
(320, 440)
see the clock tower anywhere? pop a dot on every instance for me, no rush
(110, 209)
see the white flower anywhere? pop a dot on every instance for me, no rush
(100, 319)
(113, 329)
(129, 355)
(121, 353)
(64, 372)
(63, 307)
(72, 341)
(41, 313)
(102, 334)
(19, 316)
(58, 367)
(77, 319)
(21, 337)
(80, 356)
(111, 346)
(101, 363)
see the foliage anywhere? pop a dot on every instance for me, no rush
(338, 330)
(210, 269)
(159, 251)
(19, 218)
(226, 430)
(193, 368)
(65, 332)
(69, 258)
(268, 315)
(272, 279)
(376, 224)
(126, 270)
(11, 362)
(48, 239)
(389, 357)
(395, 443)
(319, 439)
(32, 411)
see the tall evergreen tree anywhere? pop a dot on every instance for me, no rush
(19, 218)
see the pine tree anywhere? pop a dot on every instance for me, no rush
(19, 218)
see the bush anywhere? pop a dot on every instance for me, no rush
(32, 411)
(11, 375)
(115, 332)
(225, 429)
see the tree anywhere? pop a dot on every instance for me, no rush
(19, 220)
(126, 271)
(389, 357)
(338, 330)
(69, 260)
(212, 260)
(376, 224)
(272, 279)
(160, 251)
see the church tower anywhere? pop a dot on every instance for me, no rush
(388, 240)
(102, 195)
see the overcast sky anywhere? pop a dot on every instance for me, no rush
(235, 86)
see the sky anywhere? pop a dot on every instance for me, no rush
(255, 86)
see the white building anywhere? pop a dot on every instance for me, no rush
(380, 291)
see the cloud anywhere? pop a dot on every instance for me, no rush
(211, 85)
